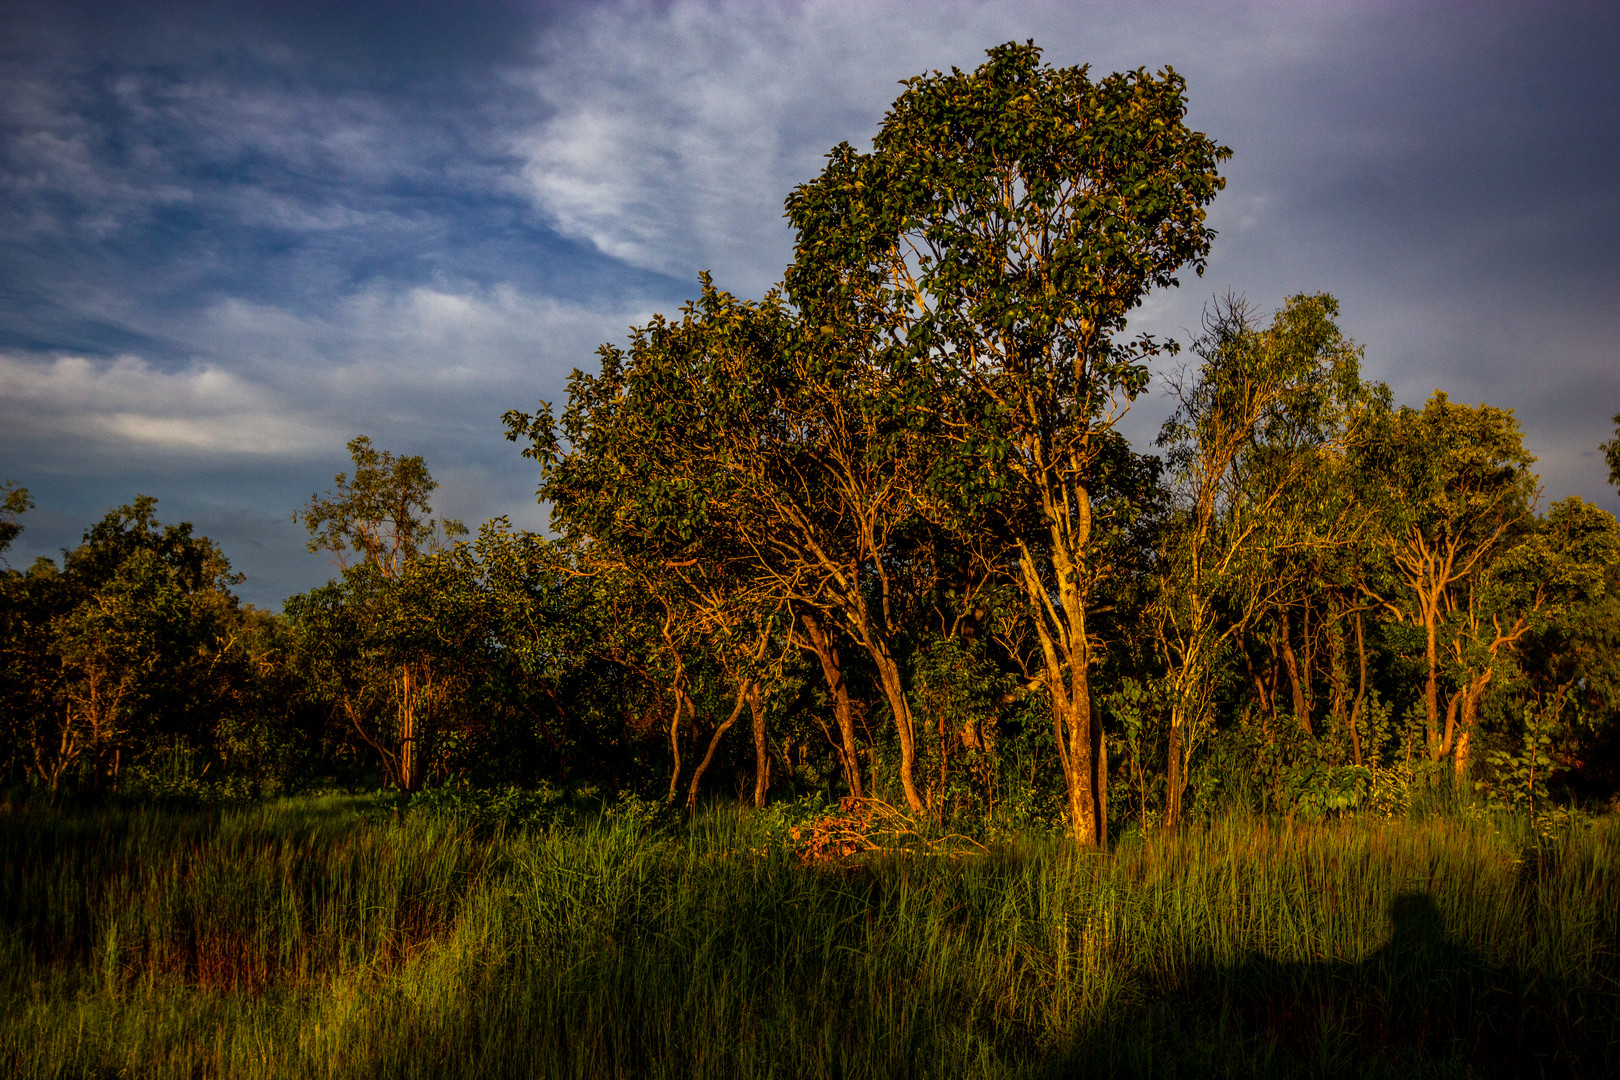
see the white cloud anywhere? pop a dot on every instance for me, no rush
(422, 365)
(674, 132)
(86, 408)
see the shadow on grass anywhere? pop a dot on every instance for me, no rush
(1422, 1005)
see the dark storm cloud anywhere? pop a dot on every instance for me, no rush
(232, 236)
(154, 162)
(1448, 172)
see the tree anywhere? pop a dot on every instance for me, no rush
(987, 253)
(734, 445)
(1555, 568)
(125, 643)
(1611, 453)
(14, 503)
(1456, 492)
(381, 516)
(388, 643)
(1251, 451)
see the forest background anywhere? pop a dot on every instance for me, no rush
(880, 525)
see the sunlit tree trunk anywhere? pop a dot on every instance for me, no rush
(843, 707)
(762, 750)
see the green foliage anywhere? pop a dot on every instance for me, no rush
(1322, 791)
(381, 515)
(391, 647)
(14, 502)
(874, 542)
(504, 807)
(129, 643)
(1611, 454)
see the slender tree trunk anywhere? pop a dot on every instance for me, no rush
(1440, 746)
(1460, 754)
(1361, 693)
(1460, 758)
(1173, 781)
(1066, 657)
(895, 692)
(843, 708)
(407, 732)
(762, 750)
(714, 743)
(675, 744)
(1302, 707)
(1431, 689)
(865, 627)
(1099, 757)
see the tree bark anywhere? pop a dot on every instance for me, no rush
(1173, 781)
(894, 691)
(1065, 654)
(1361, 693)
(681, 704)
(762, 750)
(1099, 783)
(1302, 706)
(843, 708)
(714, 743)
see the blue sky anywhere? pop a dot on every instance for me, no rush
(233, 236)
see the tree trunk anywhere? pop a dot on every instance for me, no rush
(675, 744)
(407, 732)
(762, 750)
(1173, 781)
(1361, 693)
(1431, 690)
(865, 628)
(714, 743)
(1065, 654)
(1099, 757)
(894, 690)
(843, 708)
(1460, 754)
(1302, 706)
(1083, 767)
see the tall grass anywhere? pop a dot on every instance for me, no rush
(323, 938)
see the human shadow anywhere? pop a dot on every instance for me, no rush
(1423, 1004)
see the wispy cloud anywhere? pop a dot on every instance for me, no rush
(233, 236)
(415, 366)
(85, 410)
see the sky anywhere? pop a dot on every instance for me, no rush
(233, 236)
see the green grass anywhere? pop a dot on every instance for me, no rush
(321, 937)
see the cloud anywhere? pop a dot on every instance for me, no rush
(675, 131)
(232, 237)
(75, 408)
(423, 364)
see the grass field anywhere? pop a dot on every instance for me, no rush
(328, 937)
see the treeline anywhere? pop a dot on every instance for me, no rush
(877, 535)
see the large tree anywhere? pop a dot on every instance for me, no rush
(1456, 493)
(987, 253)
(388, 645)
(735, 447)
(1253, 448)
(122, 645)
